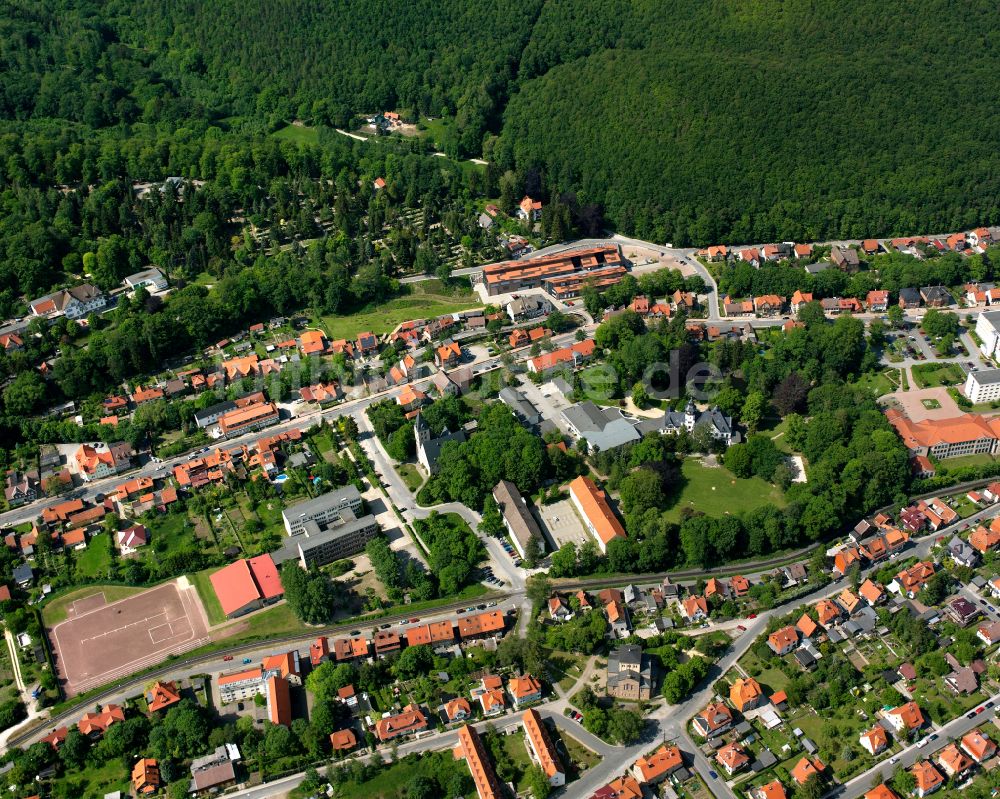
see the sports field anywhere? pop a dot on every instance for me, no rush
(101, 641)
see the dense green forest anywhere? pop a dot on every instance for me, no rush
(688, 121)
(702, 121)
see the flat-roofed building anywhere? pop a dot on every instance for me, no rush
(517, 518)
(321, 509)
(319, 544)
(983, 386)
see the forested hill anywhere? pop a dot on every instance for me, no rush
(755, 120)
(693, 121)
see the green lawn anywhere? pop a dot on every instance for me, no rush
(982, 459)
(95, 780)
(716, 492)
(599, 384)
(300, 134)
(879, 383)
(208, 598)
(438, 766)
(54, 610)
(169, 531)
(929, 375)
(566, 668)
(411, 475)
(777, 434)
(582, 757)
(516, 750)
(427, 299)
(96, 558)
(437, 129)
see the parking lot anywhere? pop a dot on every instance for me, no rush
(561, 524)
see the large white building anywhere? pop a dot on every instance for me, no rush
(983, 386)
(988, 330)
(322, 509)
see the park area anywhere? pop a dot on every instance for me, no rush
(100, 640)
(714, 490)
(427, 299)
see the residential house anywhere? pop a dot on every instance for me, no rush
(559, 610)
(845, 258)
(448, 355)
(94, 725)
(746, 694)
(799, 299)
(21, 487)
(524, 690)
(618, 620)
(882, 791)
(954, 762)
(871, 592)
(750, 255)
(806, 769)
(807, 626)
(875, 741)
(985, 539)
(457, 709)
(927, 778)
(491, 696)
(911, 580)
(714, 720)
(73, 303)
(145, 776)
(529, 210)
(977, 745)
(783, 641)
(989, 633)
(733, 758)
(694, 608)
(877, 301)
(936, 296)
(655, 768)
(768, 305)
(909, 298)
(770, 790)
(161, 696)
(905, 718)
(828, 612)
(410, 720)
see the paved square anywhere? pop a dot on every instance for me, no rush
(561, 524)
(99, 642)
